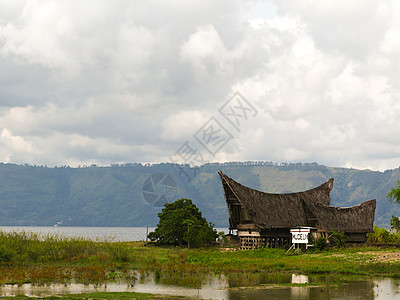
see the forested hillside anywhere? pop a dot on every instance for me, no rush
(131, 194)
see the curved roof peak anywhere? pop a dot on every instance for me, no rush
(326, 187)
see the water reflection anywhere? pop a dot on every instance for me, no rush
(230, 286)
(350, 290)
(386, 288)
(300, 279)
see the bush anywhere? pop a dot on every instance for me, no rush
(320, 243)
(381, 236)
(6, 255)
(339, 238)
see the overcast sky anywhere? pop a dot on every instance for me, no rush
(104, 82)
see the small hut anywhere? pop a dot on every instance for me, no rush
(265, 219)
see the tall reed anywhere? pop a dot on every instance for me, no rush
(22, 246)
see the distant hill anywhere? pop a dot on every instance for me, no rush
(128, 195)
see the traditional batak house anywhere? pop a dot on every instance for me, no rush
(264, 219)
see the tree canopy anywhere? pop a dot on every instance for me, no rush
(181, 223)
(394, 194)
(395, 223)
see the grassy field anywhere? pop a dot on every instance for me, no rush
(30, 258)
(102, 296)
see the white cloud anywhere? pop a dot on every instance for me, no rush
(182, 125)
(14, 147)
(207, 55)
(122, 82)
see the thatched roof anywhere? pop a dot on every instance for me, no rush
(359, 218)
(266, 210)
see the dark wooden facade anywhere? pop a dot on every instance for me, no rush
(264, 219)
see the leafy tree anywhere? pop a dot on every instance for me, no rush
(395, 223)
(394, 195)
(181, 223)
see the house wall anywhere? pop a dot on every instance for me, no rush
(355, 237)
(248, 233)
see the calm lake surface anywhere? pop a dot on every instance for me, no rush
(263, 286)
(115, 234)
(209, 286)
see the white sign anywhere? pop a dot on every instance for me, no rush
(300, 235)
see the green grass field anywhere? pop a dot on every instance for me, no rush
(30, 258)
(101, 296)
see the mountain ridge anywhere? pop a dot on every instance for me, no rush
(124, 195)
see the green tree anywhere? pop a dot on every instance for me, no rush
(181, 223)
(395, 223)
(394, 195)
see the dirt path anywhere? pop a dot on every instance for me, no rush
(393, 256)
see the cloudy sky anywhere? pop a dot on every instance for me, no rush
(103, 82)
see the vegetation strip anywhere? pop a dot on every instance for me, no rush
(107, 295)
(30, 258)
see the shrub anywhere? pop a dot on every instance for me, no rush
(320, 243)
(339, 238)
(380, 236)
(6, 255)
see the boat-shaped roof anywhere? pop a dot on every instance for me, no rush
(289, 210)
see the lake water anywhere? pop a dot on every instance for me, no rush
(229, 286)
(116, 234)
(220, 287)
